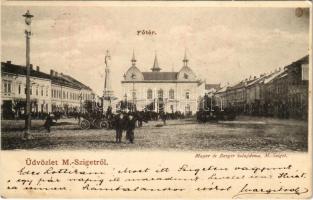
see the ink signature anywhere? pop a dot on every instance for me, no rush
(282, 190)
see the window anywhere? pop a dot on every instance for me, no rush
(149, 94)
(19, 89)
(47, 91)
(134, 94)
(171, 94)
(160, 94)
(36, 91)
(185, 76)
(187, 95)
(305, 72)
(41, 91)
(7, 86)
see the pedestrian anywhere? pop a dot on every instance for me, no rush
(131, 125)
(119, 124)
(163, 117)
(48, 122)
(139, 117)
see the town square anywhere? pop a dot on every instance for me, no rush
(256, 134)
(191, 84)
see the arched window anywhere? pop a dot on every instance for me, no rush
(187, 95)
(149, 94)
(187, 108)
(160, 94)
(171, 94)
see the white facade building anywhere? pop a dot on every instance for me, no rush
(163, 91)
(49, 92)
(13, 92)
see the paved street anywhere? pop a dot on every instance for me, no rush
(245, 133)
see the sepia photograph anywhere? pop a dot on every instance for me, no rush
(167, 78)
(156, 99)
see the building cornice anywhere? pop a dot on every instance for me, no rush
(160, 81)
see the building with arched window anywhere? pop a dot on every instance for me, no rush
(163, 91)
(171, 94)
(149, 94)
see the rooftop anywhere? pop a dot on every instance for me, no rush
(273, 76)
(59, 79)
(212, 86)
(8, 67)
(157, 76)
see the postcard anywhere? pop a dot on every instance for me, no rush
(160, 99)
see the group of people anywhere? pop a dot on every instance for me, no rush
(124, 122)
(121, 122)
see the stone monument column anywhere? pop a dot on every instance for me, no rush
(107, 92)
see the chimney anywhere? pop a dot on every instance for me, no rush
(31, 67)
(9, 62)
(56, 74)
(51, 72)
(254, 77)
(61, 74)
(37, 68)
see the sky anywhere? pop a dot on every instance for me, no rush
(224, 45)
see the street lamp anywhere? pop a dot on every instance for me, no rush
(125, 96)
(133, 78)
(28, 20)
(81, 102)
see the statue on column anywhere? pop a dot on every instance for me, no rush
(108, 92)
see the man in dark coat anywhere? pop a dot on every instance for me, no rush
(131, 125)
(48, 122)
(139, 117)
(119, 126)
(163, 117)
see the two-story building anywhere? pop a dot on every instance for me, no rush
(49, 92)
(163, 91)
(13, 93)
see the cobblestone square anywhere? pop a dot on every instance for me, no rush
(243, 134)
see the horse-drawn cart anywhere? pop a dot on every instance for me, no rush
(87, 123)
